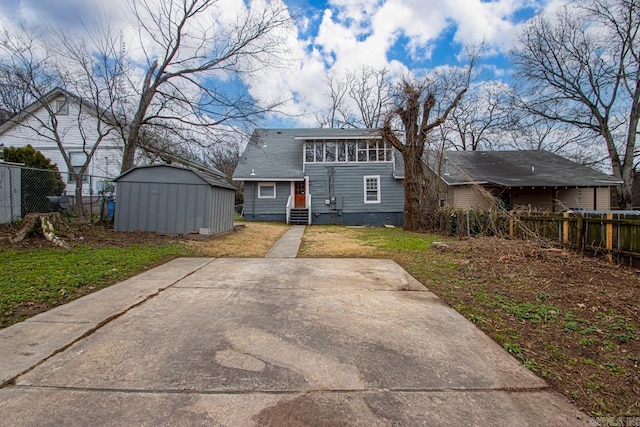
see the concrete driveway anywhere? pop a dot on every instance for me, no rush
(266, 342)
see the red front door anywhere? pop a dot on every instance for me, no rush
(300, 199)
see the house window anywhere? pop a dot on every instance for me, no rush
(330, 152)
(372, 189)
(309, 152)
(78, 160)
(266, 190)
(362, 151)
(62, 107)
(343, 151)
(351, 151)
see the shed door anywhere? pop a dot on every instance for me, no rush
(300, 199)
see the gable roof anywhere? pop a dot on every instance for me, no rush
(524, 168)
(208, 178)
(277, 154)
(47, 98)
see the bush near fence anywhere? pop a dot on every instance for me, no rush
(616, 235)
(25, 190)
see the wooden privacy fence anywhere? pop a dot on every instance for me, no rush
(617, 235)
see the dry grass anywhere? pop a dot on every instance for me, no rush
(253, 240)
(334, 242)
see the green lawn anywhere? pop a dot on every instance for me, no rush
(37, 279)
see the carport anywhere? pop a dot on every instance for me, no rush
(173, 200)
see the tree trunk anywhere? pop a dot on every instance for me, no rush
(78, 204)
(413, 197)
(624, 193)
(129, 154)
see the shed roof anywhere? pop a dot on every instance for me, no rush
(207, 178)
(523, 168)
(277, 154)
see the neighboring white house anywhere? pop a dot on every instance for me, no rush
(78, 130)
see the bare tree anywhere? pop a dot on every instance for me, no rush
(478, 119)
(582, 67)
(422, 107)
(338, 114)
(359, 99)
(74, 88)
(225, 158)
(370, 89)
(195, 64)
(532, 132)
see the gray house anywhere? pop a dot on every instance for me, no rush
(173, 200)
(320, 176)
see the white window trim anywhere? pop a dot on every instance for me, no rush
(72, 155)
(364, 182)
(266, 184)
(340, 162)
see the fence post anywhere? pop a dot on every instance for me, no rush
(609, 237)
(580, 233)
(565, 229)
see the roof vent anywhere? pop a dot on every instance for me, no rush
(253, 172)
(533, 169)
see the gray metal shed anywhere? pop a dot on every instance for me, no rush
(174, 200)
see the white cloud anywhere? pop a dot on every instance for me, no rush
(345, 36)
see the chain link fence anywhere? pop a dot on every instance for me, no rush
(24, 190)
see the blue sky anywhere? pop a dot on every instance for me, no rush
(337, 37)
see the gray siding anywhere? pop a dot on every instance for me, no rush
(348, 184)
(172, 201)
(163, 208)
(253, 206)
(223, 203)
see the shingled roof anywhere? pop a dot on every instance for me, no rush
(520, 169)
(277, 154)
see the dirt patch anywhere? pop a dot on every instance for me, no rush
(97, 235)
(247, 240)
(572, 319)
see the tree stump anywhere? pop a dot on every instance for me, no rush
(40, 221)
